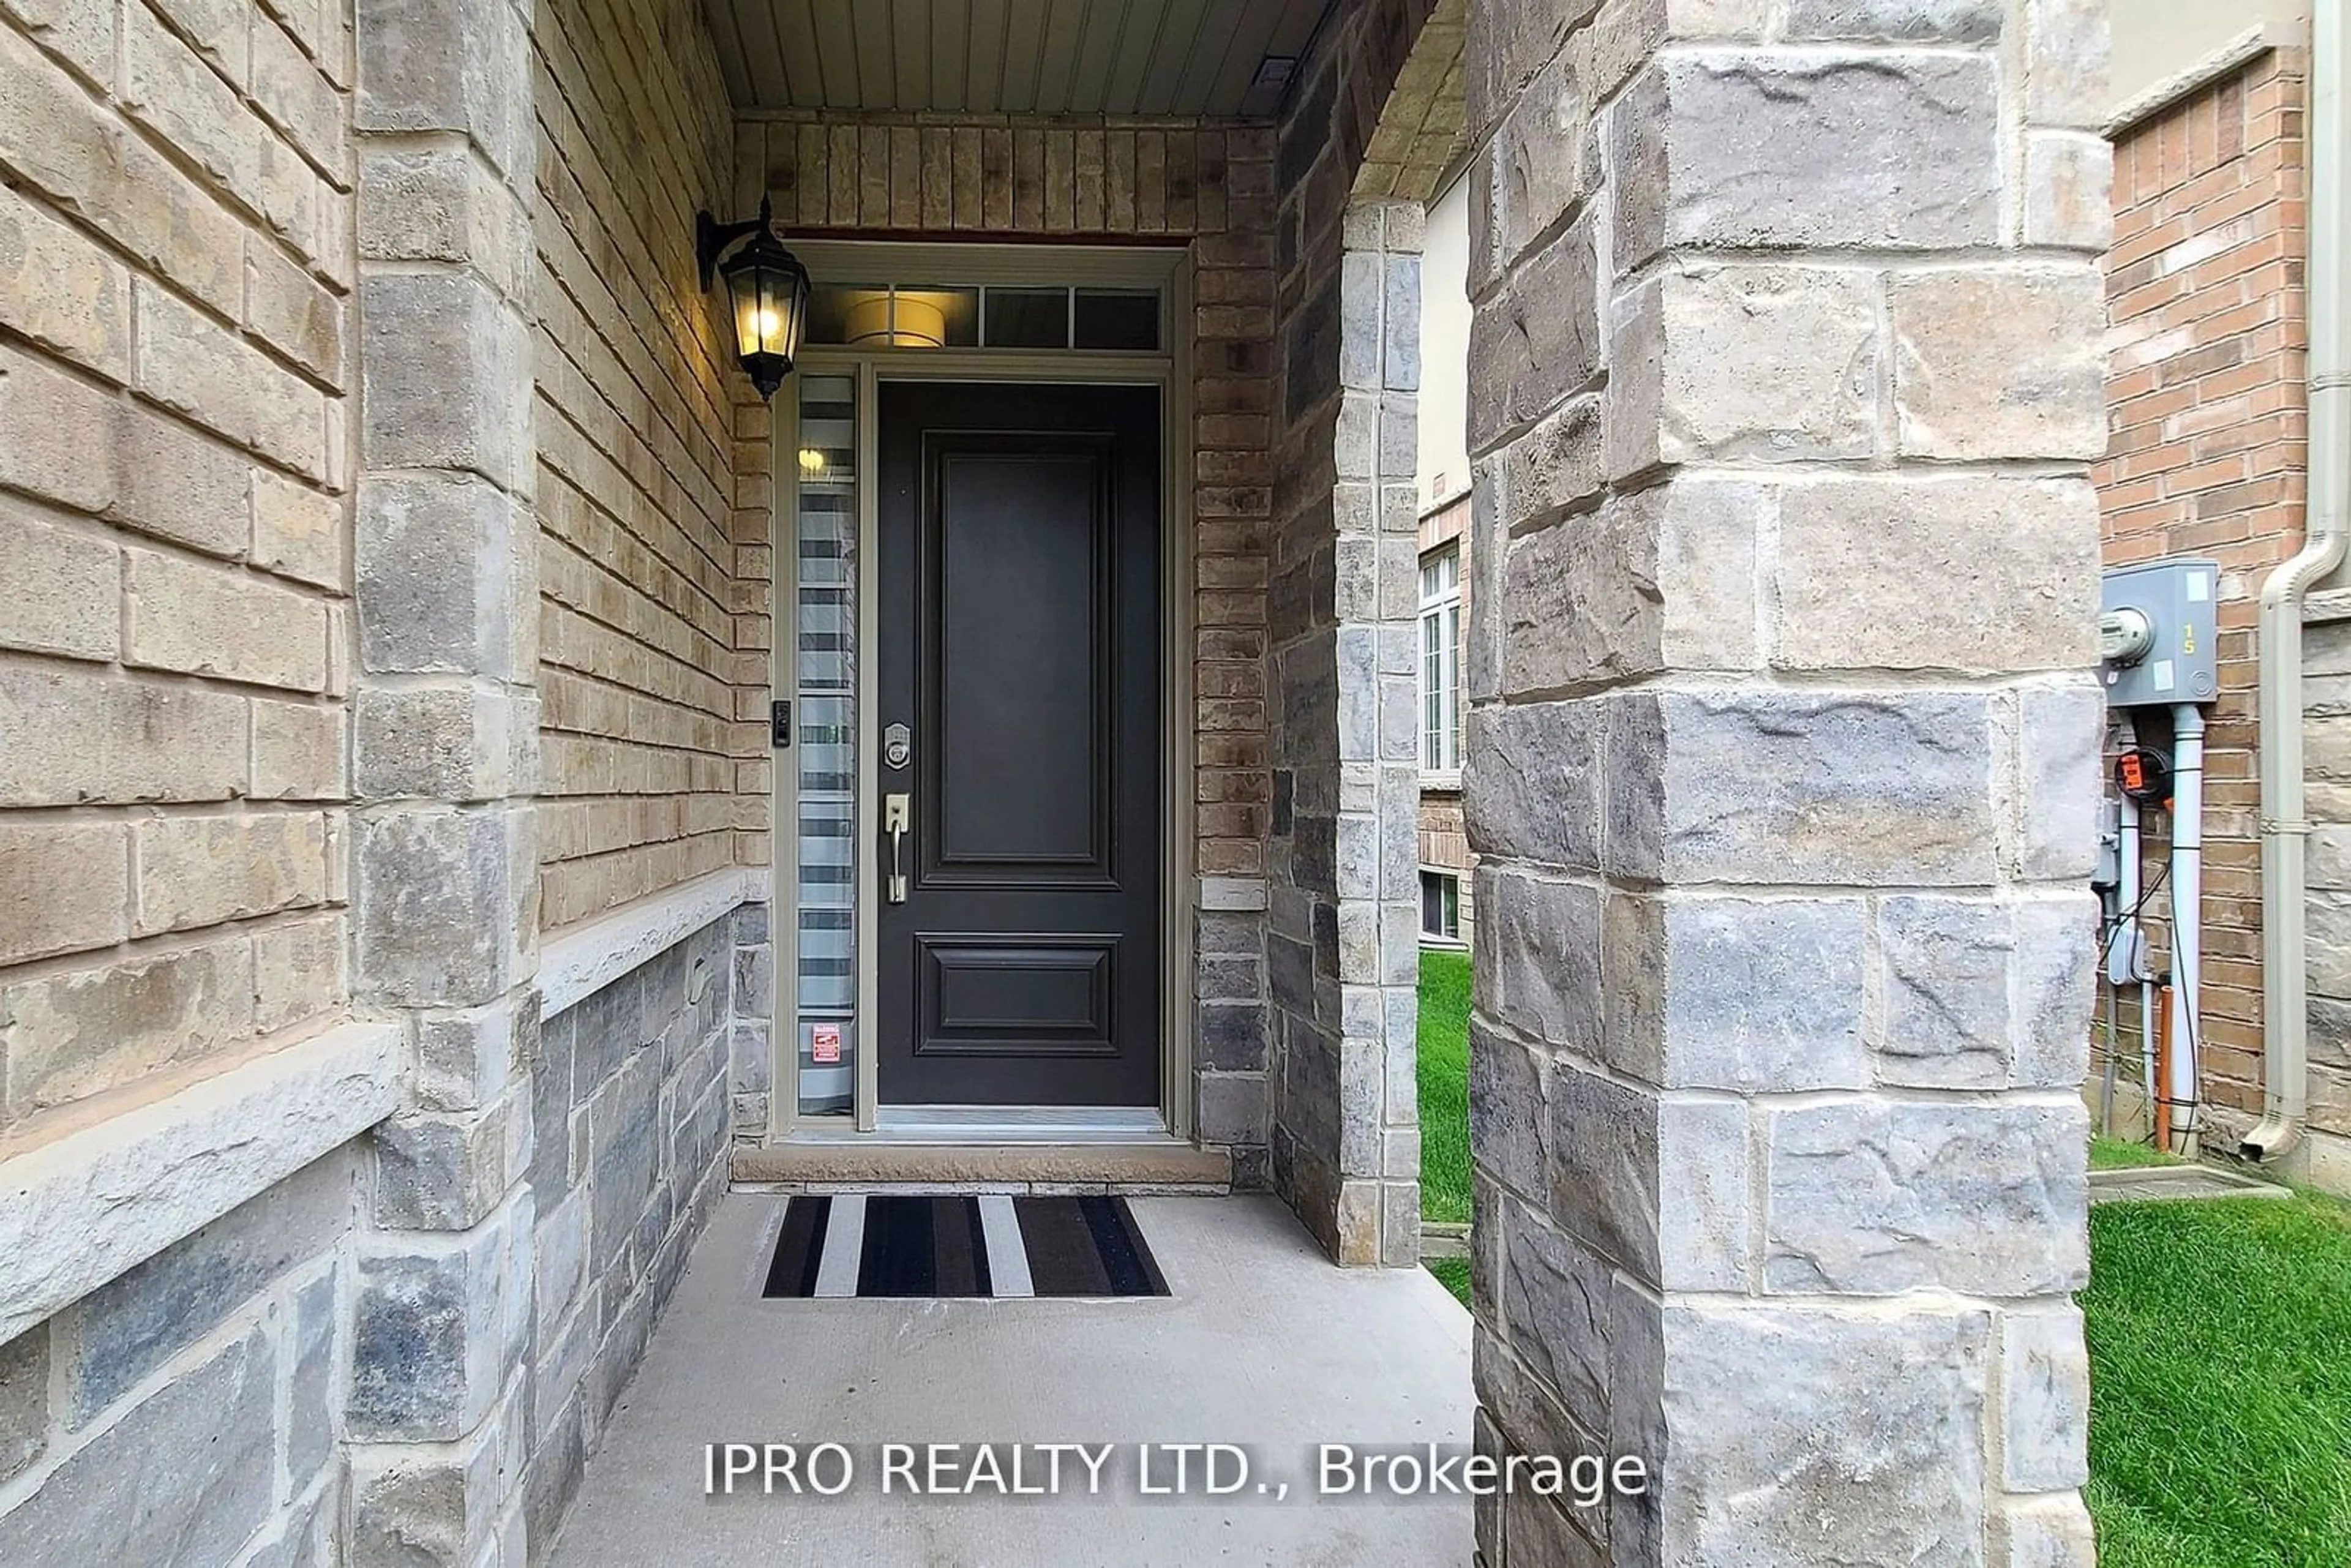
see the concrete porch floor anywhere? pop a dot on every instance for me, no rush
(1262, 1343)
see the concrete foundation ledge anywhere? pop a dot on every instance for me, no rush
(1122, 1167)
(81, 1207)
(576, 963)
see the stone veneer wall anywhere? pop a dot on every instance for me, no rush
(1343, 938)
(629, 1113)
(2205, 458)
(1069, 177)
(1782, 767)
(175, 633)
(642, 678)
(189, 1411)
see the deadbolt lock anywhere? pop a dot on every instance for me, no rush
(897, 746)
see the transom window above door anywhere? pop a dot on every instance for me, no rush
(1056, 317)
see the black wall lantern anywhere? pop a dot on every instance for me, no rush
(767, 287)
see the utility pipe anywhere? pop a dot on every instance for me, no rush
(2185, 1019)
(2285, 1004)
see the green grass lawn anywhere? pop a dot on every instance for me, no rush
(2220, 1344)
(2122, 1153)
(2221, 1383)
(1445, 1086)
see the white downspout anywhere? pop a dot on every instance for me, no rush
(2180, 1091)
(2285, 1044)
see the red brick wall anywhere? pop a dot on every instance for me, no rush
(2205, 399)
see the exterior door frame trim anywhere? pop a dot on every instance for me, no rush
(1168, 267)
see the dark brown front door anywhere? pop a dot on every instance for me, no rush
(1018, 625)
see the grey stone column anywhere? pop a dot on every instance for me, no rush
(445, 883)
(1781, 763)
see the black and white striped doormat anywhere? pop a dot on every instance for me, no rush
(882, 1244)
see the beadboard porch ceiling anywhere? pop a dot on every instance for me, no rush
(1011, 57)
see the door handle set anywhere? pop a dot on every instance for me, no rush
(895, 809)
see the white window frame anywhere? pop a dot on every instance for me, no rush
(1439, 938)
(1438, 644)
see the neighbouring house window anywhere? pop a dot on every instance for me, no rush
(1440, 906)
(1440, 662)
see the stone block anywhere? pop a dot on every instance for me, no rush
(448, 64)
(2069, 190)
(82, 309)
(201, 871)
(300, 532)
(444, 378)
(1810, 1433)
(2045, 1384)
(64, 592)
(64, 888)
(203, 1449)
(2062, 52)
(2041, 1532)
(75, 146)
(1538, 342)
(2059, 773)
(1853, 788)
(1896, 21)
(1753, 995)
(1946, 987)
(80, 31)
(194, 367)
(2056, 985)
(299, 751)
(1986, 1198)
(313, 1346)
(78, 737)
(299, 98)
(191, 618)
(1999, 362)
(448, 1170)
(1549, 467)
(1908, 574)
(413, 1505)
(1544, 158)
(1530, 787)
(1537, 958)
(1226, 1039)
(439, 576)
(24, 1400)
(1876, 151)
(428, 1345)
(623, 1157)
(1664, 578)
(445, 903)
(1743, 364)
(300, 970)
(1603, 1165)
(1555, 1295)
(441, 204)
(1232, 1108)
(72, 1035)
(116, 1335)
(1510, 1121)
(434, 743)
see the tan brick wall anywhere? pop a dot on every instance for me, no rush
(638, 564)
(2205, 400)
(176, 261)
(1001, 177)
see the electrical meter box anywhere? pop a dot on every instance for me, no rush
(2158, 633)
